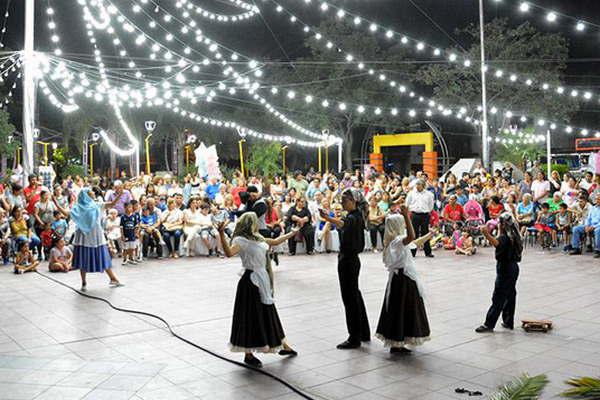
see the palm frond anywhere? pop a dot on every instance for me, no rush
(524, 387)
(583, 388)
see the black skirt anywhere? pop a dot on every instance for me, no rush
(256, 326)
(404, 321)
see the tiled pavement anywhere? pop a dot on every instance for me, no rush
(55, 344)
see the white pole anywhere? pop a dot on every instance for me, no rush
(28, 89)
(340, 157)
(137, 161)
(548, 153)
(484, 128)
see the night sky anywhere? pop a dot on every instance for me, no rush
(255, 39)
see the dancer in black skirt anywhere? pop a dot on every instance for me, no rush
(256, 326)
(352, 242)
(509, 248)
(403, 320)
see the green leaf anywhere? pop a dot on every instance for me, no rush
(583, 388)
(524, 387)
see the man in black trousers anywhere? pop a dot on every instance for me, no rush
(420, 204)
(352, 243)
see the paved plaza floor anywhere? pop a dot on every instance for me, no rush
(55, 344)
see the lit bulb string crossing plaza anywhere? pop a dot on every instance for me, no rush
(4, 23)
(452, 56)
(577, 25)
(10, 63)
(319, 37)
(175, 108)
(279, 115)
(211, 16)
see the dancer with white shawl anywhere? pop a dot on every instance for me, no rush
(403, 320)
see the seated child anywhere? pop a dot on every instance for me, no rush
(112, 229)
(24, 260)
(465, 245)
(59, 225)
(563, 222)
(60, 256)
(450, 242)
(545, 225)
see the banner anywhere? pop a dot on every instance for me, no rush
(207, 161)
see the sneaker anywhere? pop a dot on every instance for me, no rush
(115, 284)
(597, 254)
(83, 287)
(134, 262)
(575, 252)
(18, 271)
(253, 362)
(124, 262)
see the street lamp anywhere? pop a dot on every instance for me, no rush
(240, 144)
(150, 127)
(189, 143)
(88, 150)
(45, 144)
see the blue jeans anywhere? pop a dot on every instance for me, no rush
(579, 238)
(176, 235)
(34, 241)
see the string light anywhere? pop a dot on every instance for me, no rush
(450, 55)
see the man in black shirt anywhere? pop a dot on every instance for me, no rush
(352, 243)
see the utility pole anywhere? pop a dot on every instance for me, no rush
(28, 90)
(484, 127)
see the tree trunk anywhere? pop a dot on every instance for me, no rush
(347, 147)
(4, 162)
(166, 149)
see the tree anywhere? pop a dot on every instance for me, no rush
(335, 80)
(264, 159)
(454, 85)
(7, 146)
(519, 147)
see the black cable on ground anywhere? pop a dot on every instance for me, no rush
(212, 353)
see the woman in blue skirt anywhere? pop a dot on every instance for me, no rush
(90, 252)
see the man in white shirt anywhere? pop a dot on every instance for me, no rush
(420, 204)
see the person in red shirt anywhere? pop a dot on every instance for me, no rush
(32, 194)
(453, 212)
(235, 192)
(495, 208)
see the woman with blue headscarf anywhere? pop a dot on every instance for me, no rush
(91, 252)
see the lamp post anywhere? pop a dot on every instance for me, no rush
(92, 158)
(150, 127)
(45, 144)
(241, 147)
(190, 142)
(29, 61)
(88, 151)
(283, 156)
(320, 163)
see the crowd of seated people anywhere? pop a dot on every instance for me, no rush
(156, 216)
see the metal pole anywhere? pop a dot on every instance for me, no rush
(548, 153)
(327, 158)
(137, 161)
(91, 156)
(484, 127)
(28, 89)
(340, 157)
(284, 150)
(320, 162)
(240, 143)
(148, 153)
